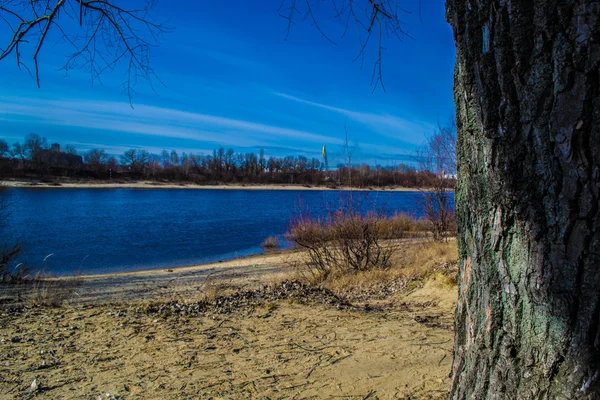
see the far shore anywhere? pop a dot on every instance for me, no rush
(187, 185)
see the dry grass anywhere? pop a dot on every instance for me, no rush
(47, 292)
(350, 241)
(40, 291)
(403, 224)
(271, 243)
(416, 263)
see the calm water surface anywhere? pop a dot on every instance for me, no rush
(113, 230)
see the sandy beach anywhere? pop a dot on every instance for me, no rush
(192, 281)
(238, 329)
(169, 283)
(284, 349)
(186, 185)
(188, 281)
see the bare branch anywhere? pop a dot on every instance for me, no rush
(380, 16)
(108, 35)
(314, 22)
(49, 19)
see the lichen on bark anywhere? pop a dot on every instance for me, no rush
(528, 155)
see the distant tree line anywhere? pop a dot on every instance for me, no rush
(36, 159)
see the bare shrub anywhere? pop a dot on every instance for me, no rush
(347, 241)
(271, 243)
(357, 235)
(438, 211)
(415, 264)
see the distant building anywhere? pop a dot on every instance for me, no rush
(55, 147)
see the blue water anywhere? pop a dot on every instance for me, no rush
(112, 230)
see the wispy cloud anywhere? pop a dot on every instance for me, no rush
(150, 120)
(387, 125)
(196, 132)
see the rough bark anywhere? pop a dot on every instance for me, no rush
(528, 117)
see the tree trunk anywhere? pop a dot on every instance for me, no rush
(528, 117)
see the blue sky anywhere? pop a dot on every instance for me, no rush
(233, 79)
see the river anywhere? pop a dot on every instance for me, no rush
(91, 231)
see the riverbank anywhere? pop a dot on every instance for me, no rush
(189, 282)
(65, 184)
(288, 348)
(166, 283)
(275, 338)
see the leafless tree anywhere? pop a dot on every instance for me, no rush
(438, 156)
(17, 151)
(97, 159)
(34, 146)
(441, 157)
(101, 34)
(70, 149)
(174, 158)
(374, 21)
(128, 159)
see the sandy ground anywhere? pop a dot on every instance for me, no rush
(125, 336)
(189, 282)
(281, 350)
(165, 185)
(173, 283)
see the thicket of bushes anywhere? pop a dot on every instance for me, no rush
(352, 239)
(349, 241)
(35, 158)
